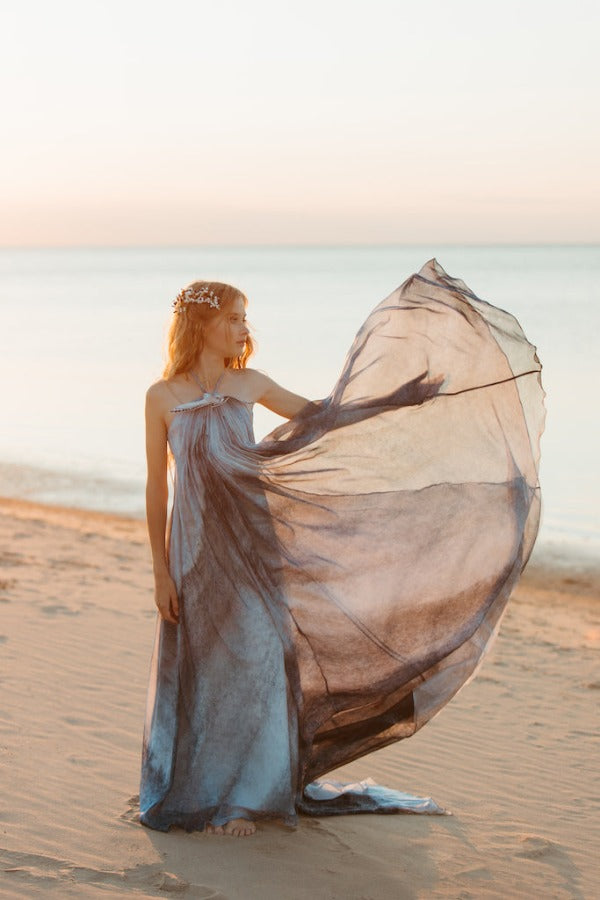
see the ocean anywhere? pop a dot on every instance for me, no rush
(83, 333)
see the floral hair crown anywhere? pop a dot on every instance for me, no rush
(195, 295)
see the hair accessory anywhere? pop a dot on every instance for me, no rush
(195, 295)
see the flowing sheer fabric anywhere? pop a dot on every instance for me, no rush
(340, 581)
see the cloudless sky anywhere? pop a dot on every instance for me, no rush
(314, 122)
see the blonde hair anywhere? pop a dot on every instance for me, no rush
(185, 337)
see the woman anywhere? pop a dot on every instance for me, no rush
(327, 591)
(209, 347)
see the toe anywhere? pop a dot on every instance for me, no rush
(240, 827)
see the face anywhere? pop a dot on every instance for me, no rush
(227, 332)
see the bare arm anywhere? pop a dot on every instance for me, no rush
(278, 399)
(157, 495)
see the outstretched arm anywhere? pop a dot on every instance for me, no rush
(279, 400)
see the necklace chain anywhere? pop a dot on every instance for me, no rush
(201, 386)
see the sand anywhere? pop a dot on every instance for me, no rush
(514, 757)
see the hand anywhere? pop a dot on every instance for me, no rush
(165, 597)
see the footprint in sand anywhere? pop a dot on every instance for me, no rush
(580, 582)
(535, 847)
(54, 609)
(40, 874)
(132, 813)
(79, 720)
(6, 583)
(8, 558)
(82, 761)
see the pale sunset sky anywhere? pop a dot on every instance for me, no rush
(266, 122)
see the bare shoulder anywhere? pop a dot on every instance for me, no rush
(261, 388)
(248, 374)
(156, 392)
(159, 397)
(251, 383)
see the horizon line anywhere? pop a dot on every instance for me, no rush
(296, 245)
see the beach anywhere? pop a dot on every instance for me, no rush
(409, 229)
(513, 758)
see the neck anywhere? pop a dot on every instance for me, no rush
(209, 366)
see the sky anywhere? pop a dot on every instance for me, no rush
(331, 122)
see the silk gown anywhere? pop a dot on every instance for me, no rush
(341, 580)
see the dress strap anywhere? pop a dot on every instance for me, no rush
(218, 381)
(179, 400)
(201, 386)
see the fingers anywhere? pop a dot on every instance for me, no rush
(167, 602)
(168, 615)
(174, 606)
(169, 610)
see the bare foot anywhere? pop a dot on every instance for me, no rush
(239, 827)
(214, 829)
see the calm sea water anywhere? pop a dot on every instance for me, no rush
(83, 331)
